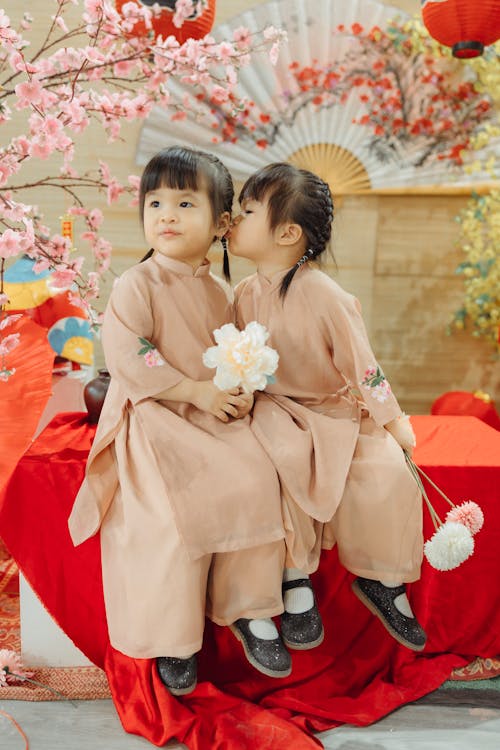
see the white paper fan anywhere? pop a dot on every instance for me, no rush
(321, 128)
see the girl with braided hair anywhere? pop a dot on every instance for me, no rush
(187, 527)
(330, 423)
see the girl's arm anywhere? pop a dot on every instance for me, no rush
(127, 332)
(354, 358)
(207, 397)
(140, 368)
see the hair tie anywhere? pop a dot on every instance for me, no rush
(308, 254)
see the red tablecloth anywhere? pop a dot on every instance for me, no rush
(357, 675)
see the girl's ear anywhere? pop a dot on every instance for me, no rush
(289, 234)
(223, 224)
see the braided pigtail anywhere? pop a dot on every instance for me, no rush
(315, 215)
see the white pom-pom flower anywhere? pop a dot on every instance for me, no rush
(241, 358)
(451, 544)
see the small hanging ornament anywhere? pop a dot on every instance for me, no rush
(67, 227)
(467, 26)
(195, 26)
(452, 542)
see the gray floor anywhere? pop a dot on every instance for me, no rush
(93, 725)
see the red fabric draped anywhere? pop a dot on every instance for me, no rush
(25, 393)
(357, 675)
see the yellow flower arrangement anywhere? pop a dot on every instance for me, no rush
(480, 241)
(479, 221)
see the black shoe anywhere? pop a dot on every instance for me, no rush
(380, 600)
(268, 656)
(304, 630)
(179, 675)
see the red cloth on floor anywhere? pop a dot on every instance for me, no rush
(357, 675)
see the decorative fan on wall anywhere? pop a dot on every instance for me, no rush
(349, 98)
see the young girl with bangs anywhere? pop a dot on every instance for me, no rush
(330, 423)
(186, 500)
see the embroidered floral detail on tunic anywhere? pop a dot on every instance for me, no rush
(376, 384)
(152, 356)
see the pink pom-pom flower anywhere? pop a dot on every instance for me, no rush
(469, 514)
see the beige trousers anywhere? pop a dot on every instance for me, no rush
(156, 596)
(378, 524)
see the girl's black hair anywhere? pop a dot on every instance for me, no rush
(186, 168)
(295, 195)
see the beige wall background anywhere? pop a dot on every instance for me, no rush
(396, 253)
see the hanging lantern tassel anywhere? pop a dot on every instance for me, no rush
(467, 26)
(452, 543)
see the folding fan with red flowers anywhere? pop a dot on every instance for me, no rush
(352, 97)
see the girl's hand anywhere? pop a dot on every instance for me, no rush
(402, 431)
(246, 407)
(222, 404)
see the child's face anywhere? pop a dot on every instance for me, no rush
(250, 235)
(179, 223)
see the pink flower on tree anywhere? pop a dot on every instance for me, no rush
(9, 244)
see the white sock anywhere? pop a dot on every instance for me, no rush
(400, 602)
(264, 629)
(300, 599)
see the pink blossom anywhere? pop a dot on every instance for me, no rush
(11, 667)
(61, 23)
(225, 52)
(62, 279)
(95, 218)
(28, 93)
(5, 113)
(123, 67)
(274, 53)
(78, 211)
(241, 36)
(183, 9)
(9, 244)
(8, 167)
(42, 147)
(469, 514)
(42, 264)
(52, 126)
(3, 301)
(114, 191)
(9, 343)
(219, 95)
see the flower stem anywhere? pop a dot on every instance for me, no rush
(414, 469)
(22, 678)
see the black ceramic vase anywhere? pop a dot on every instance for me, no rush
(94, 394)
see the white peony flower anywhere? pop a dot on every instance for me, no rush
(241, 358)
(451, 544)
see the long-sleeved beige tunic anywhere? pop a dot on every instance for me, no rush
(217, 480)
(321, 423)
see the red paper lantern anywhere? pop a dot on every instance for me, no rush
(194, 27)
(467, 26)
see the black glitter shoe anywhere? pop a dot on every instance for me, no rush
(268, 656)
(179, 675)
(380, 600)
(305, 629)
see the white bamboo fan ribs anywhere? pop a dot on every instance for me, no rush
(334, 104)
